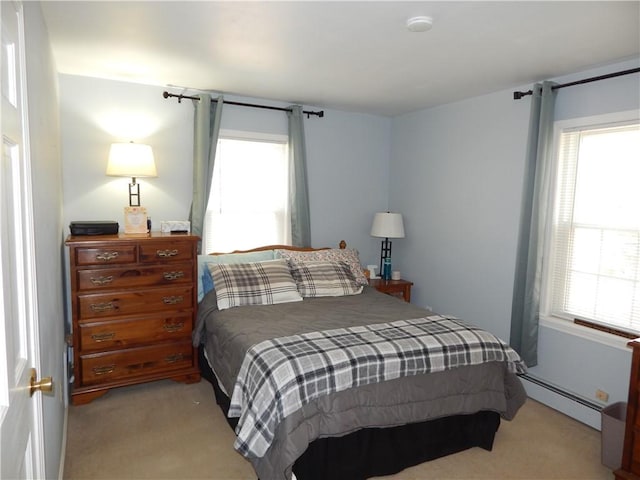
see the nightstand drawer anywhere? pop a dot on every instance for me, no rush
(104, 278)
(105, 255)
(122, 364)
(111, 334)
(134, 302)
(151, 252)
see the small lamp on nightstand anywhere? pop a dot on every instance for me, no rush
(387, 225)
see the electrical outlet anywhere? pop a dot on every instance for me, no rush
(602, 395)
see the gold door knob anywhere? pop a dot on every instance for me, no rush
(44, 385)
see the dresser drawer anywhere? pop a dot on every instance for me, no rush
(112, 334)
(104, 255)
(104, 278)
(111, 366)
(154, 252)
(97, 305)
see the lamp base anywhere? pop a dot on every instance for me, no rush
(385, 252)
(134, 194)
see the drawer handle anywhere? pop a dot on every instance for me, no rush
(172, 300)
(102, 307)
(176, 357)
(101, 280)
(107, 256)
(166, 253)
(103, 370)
(103, 337)
(173, 275)
(173, 327)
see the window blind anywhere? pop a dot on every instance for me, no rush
(594, 269)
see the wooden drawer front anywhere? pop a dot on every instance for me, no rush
(154, 252)
(134, 277)
(105, 255)
(131, 303)
(106, 367)
(130, 332)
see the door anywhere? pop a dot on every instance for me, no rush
(21, 442)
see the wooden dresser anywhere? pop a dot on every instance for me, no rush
(133, 302)
(630, 468)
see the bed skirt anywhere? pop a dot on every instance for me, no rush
(373, 452)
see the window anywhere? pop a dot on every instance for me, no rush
(248, 205)
(593, 272)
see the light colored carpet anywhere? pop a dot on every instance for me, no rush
(167, 430)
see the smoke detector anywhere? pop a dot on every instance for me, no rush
(419, 24)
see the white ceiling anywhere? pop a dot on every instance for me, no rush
(355, 56)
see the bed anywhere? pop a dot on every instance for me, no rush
(373, 406)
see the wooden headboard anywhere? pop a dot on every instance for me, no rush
(342, 246)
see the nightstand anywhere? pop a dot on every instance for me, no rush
(397, 288)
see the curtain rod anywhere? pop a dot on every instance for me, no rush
(519, 95)
(267, 107)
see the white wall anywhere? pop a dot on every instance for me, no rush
(347, 157)
(94, 114)
(456, 175)
(456, 178)
(46, 166)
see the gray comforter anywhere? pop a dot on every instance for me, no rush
(228, 334)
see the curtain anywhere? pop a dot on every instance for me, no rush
(525, 311)
(205, 130)
(298, 186)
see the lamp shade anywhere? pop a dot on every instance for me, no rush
(131, 160)
(387, 225)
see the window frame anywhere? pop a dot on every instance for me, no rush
(249, 136)
(566, 324)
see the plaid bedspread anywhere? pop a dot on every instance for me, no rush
(279, 376)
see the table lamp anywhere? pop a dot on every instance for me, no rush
(131, 160)
(387, 225)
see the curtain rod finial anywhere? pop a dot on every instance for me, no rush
(519, 95)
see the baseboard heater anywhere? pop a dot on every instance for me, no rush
(560, 391)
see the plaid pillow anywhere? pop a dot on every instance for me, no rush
(324, 279)
(258, 283)
(347, 255)
(205, 283)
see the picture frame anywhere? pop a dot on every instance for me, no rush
(135, 220)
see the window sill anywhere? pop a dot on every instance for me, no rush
(587, 333)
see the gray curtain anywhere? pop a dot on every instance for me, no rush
(298, 186)
(206, 129)
(525, 311)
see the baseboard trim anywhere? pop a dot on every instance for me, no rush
(568, 403)
(63, 449)
(561, 391)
